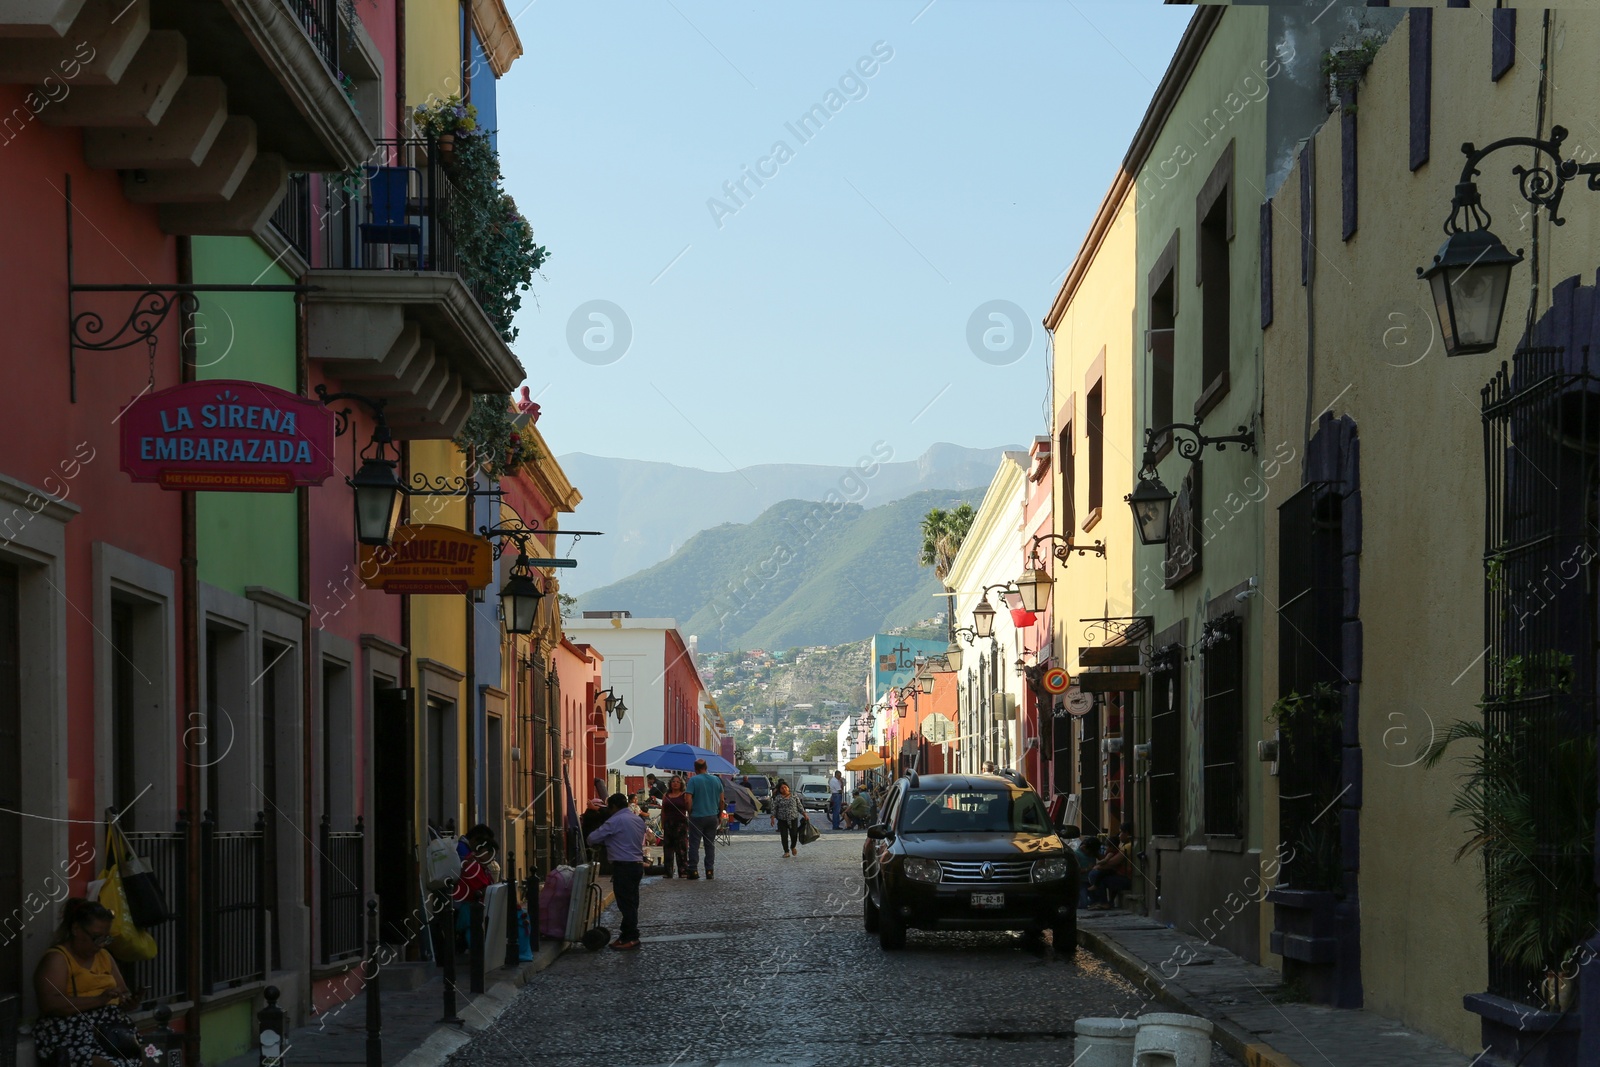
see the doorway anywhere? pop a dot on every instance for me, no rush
(394, 801)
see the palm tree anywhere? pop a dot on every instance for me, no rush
(942, 534)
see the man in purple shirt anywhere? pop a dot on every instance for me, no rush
(623, 835)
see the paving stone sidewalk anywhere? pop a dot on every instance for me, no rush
(413, 1028)
(1246, 1002)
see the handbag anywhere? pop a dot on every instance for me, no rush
(808, 833)
(441, 862)
(146, 901)
(128, 943)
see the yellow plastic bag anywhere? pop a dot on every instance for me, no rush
(128, 943)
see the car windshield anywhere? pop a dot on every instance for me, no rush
(970, 811)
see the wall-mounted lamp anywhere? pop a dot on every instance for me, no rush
(1150, 500)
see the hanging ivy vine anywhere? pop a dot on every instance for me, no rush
(493, 437)
(496, 252)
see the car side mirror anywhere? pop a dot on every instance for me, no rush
(879, 832)
(1070, 830)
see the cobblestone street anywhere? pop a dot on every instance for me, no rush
(769, 964)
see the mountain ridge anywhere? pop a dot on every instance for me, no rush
(802, 573)
(650, 508)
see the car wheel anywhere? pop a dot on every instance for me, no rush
(869, 913)
(1064, 935)
(891, 929)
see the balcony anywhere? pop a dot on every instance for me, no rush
(204, 105)
(394, 318)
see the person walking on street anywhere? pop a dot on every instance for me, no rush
(836, 798)
(675, 828)
(623, 836)
(787, 812)
(705, 812)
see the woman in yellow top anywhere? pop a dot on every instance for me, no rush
(82, 994)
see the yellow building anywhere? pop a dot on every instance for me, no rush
(1388, 588)
(1090, 435)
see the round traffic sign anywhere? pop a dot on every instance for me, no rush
(1055, 680)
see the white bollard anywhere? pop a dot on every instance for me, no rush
(1103, 1042)
(1168, 1039)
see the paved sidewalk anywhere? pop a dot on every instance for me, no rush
(414, 1033)
(1245, 1002)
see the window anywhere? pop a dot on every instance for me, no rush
(438, 735)
(494, 771)
(338, 746)
(125, 684)
(1159, 341)
(1310, 648)
(11, 895)
(1069, 471)
(1166, 741)
(1089, 817)
(1214, 226)
(1222, 655)
(1094, 425)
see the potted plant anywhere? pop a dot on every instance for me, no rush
(1537, 857)
(441, 123)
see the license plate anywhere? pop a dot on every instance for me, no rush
(988, 900)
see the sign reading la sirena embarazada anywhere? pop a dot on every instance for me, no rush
(227, 435)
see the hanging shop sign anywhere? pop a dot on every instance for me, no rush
(1079, 703)
(428, 559)
(1109, 656)
(227, 435)
(1110, 681)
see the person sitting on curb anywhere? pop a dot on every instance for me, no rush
(1112, 873)
(623, 836)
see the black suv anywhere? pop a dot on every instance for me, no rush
(967, 852)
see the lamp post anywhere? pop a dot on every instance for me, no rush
(1471, 273)
(1150, 500)
(952, 655)
(1036, 581)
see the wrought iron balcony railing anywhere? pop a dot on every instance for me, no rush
(324, 26)
(395, 213)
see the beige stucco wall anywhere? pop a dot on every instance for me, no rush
(1098, 318)
(1375, 359)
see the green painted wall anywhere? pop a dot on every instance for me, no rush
(245, 538)
(226, 1033)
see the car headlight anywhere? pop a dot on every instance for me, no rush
(922, 870)
(1049, 870)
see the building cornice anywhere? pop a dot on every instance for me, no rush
(1004, 493)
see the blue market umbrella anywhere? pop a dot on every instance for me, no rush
(681, 758)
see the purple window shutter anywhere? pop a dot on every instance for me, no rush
(1266, 264)
(1421, 83)
(1505, 41)
(1347, 157)
(1307, 188)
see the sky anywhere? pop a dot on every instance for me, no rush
(730, 285)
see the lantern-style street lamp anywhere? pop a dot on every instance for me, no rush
(378, 495)
(519, 598)
(1471, 274)
(1150, 500)
(983, 619)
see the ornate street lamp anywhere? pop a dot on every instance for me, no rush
(378, 495)
(925, 683)
(1152, 507)
(1471, 274)
(983, 619)
(952, 655)
(519, 598)
(1150, 500)
(1033, 587)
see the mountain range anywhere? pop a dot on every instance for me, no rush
(803, 573)
(648, 510)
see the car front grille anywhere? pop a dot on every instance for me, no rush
(1000, 871)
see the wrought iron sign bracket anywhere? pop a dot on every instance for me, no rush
(1191, 446)
(1541, 186)
(87, 330)
(1125, 628)
(1064, 550)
